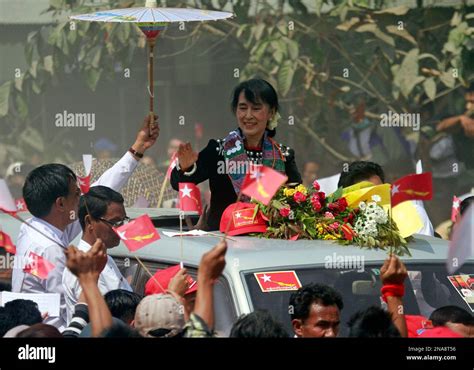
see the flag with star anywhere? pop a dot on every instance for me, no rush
(189, 197)
(262, 183)
(455, 208)
(138, 233)
(38, 266)
(6, 243)
(277, 281)
(412, 187)
(21, 205)
(84, 182)
(7, 203)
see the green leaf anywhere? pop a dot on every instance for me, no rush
(4, 98)
(21, 107)
(285, 77)
(372, 28)
(48, 64)
(32, 138)
(406, 77)
(345, 26)
(57, 4)
(92, 78)
(293, 49)
(402, 33)
(447, 78)
(430, 88)
(399, 10)
(258, 31)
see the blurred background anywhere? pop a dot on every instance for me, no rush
(337, 66)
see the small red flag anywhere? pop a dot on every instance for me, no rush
(21, 205)
(38, 266)
(6, 243)
(189, 197)
(412, 187)
(84, 183)
(277, 281)
(455, 208)
(138, 233)
(262, 183)
(173, 161)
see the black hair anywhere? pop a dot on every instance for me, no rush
(19, 312)
(98, 199)
(470, 88)
(258, 324)
(122, 304)
(465, 204)
(44, 185)
(373, 322)
(304, 297)
(454, 314)
(360, 171)
(256, 90)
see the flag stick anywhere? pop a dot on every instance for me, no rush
(149, 273)
(181, 216)
(162, 191)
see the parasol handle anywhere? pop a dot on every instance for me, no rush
(151, 93)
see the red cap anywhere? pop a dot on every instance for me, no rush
(164, 277)
(417, 324)
(242, 219)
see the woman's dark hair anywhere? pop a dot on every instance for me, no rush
(372, 322)
(258, 324)
(44, 185)
(40, 331)
(256, 91)
(98, 199)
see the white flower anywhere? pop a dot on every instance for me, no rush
(371, 206)
(362, 206)
(376, 198)
(273, 123)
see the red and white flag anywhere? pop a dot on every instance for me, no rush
(7, 203)
(461, 246)
(84, 182)
(6, 243)
(455, 208)
(189, 197)
(262, 183)
(277, 281)
(412, 187)
(21, 205)
(173, 162)
(138, 233)
(38, 266)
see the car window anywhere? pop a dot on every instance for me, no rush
(426, 288)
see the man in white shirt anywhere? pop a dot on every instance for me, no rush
(104, 211)
(52, 197)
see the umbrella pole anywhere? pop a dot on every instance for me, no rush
(151, 92)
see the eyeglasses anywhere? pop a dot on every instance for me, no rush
(116, 224)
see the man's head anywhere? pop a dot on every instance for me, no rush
(310, 172)
(454, 318)
(315, 311)
(258, 324)
(469, 97)
(106, 210)
(373, 322)
(122, 304)
(18, 312)
(51, 191)
(362, 171)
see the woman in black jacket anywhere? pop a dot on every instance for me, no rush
(226, 162)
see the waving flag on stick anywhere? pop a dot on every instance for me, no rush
(138, 233)
(84, 182)
(262, 184)
(189, 197)
(38, 266)
(412, 187)
(455, 208)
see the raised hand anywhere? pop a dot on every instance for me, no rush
(179, 283)
(393, 271)
(147, 135)
(186, 156)
(212, 263)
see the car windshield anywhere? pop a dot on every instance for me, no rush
(427, 287)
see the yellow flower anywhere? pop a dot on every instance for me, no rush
(301, 188)
(289, 192)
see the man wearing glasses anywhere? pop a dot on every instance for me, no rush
(103, 212)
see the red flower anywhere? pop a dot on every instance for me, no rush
(285, 212)
(342, 203)
(333, 206)
(322, 195)
(316, 185)
(316, 204)
(299, 197)
(328, 215)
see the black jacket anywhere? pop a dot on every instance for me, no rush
(222, 191)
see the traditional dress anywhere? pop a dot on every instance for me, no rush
(225, 164)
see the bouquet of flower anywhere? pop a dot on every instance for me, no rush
(307, 213)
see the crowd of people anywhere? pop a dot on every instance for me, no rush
(97, 301)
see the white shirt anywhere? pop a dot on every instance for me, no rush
(110, 279)
(427, 228)
(30, 240)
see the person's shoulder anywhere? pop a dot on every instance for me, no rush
(216, 145)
